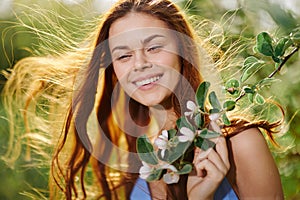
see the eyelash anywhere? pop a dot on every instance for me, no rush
(153, 48)
(150, 49)
(123, 56)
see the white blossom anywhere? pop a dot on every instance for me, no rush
(145, 170)
(171, 176)
(162, 142)
(187, 135)
(192, 107)
(213, 122)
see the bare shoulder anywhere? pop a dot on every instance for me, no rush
(249, 141)
(253, 170)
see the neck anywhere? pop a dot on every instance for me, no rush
(165, 117)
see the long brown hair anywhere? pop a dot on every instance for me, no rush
(84, 102)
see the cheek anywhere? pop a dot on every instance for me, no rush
(167, 60)
(171, 60)
(121, 71)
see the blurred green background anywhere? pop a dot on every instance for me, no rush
(248, 18)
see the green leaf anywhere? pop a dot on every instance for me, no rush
(280, 47)
(296, 37)
(288, 43)
(172, 133)
(199, 120)
(187, 168)
(166, 155)
(203, 143)
(205, 133)
(232, 83)
(276, 59)
(250, 97)
(178, 151)
(282, 17)
(225, 119)
(277, 65)
(155, 175)
(145, 150)
(214, 110)
(229, 105)
(201, 94)
(249, 61)
(251, 70)
(264, 44)
(213, 100)
(255, 50)
(183, 122)
(259, 99)
(248, 90)
(267, 82)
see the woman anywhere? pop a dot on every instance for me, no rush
(144, 67)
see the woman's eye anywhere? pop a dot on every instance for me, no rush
(154, 49)
(123, 57)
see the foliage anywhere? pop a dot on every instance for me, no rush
(169, 158)
(246, 20)
(280, 50)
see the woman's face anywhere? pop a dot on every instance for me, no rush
(145, 57)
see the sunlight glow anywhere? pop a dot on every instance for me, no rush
(71, 2)
(5, 9)
(101, 6)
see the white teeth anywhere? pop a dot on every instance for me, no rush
(147, 81)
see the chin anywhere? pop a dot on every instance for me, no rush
(148, 102)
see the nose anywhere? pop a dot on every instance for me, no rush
(141, 61)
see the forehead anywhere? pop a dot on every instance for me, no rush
(135, 24)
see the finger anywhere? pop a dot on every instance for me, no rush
(200, 155)
(215, 158)
(222, 150)
(211, 170)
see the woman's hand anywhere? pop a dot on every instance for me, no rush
(211, 166)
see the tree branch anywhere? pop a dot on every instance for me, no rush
(283, 62)
(243, 93)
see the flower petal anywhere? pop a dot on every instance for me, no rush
(170, 167)
(215, 127)
(188, 133)
(214, 116)
(145, 167)
(189, 114)
(145, 175)
(165, 134)
(170, 178)
(145, 170)
(191, 106)
(160, 143)
(163, 153)
(183, 138)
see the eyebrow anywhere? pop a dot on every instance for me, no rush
(148, 39)
(145, 41)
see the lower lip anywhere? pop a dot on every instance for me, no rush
(148, 86)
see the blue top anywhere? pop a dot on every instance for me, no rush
(141, 191)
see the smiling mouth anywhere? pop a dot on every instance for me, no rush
(148, 81)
